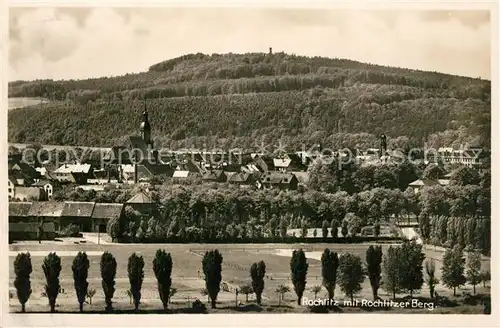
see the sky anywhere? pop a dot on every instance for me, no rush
(75, 43)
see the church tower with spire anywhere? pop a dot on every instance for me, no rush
(145, 128)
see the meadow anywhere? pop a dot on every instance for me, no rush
(187, 277)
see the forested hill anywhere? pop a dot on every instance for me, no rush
(240, 100)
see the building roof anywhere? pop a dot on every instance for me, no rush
(428, 182)
(160, 169)
(41, 183)
(243, 177)
(118, 155)
(282, 162)
(49, 209)
(13, 180)
(136, 142)
(19, 209)
(180, 174)
(140, 198)
(107, 211)
(78, 209)
(213, 175)
(303, 177)
(73, 168)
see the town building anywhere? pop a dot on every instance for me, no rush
(139, 151)
(472, 156)
(280, 180)
(418, 185)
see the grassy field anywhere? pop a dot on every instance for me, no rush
(187, 277)
(24, 102)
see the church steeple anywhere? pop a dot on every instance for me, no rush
(146, 127)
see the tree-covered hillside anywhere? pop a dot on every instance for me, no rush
(242, 100)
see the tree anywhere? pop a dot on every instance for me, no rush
(52, 268)
(113, 229)
(345, 228)
(485, 277)
(474, 269)
(374, 261)
(246, 290)
(173, 291)
(316, 290)
(22, 270)
(464, 176)
(135, 269)
(324, 229)
(391, 270)
(298, 268)
(283, 227)
(411, 276)
(130, 296)
(80, 270)
(304, 229)
(354, 223)
(430, 279)
(432, 172)
(329, 266)
(204, 292)
(334, 230)
(212, 268)
(452, 272)
(40, 231)
(108, 273)
(350, 275)
(90, 294)
(257, 273)
(376, 229)
(281, 290)
(162, 267)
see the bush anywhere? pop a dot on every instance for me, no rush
(71, 230)
(198, 306)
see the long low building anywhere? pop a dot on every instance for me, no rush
(28, 219)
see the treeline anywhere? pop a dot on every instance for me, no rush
(199, 67)
(336, 118)
(400, 270)
(216, 212)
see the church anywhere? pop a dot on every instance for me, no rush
(137, 152)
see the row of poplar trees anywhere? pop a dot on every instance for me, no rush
(400, 269)
(162, 268)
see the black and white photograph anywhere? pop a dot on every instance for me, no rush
(249, 160)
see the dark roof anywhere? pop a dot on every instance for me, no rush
(297, 162)
(118, 155)
(266, 159)
(136, 142)
(19, 209)
(140, 198)
(53, 209)
(243, 177)
(213, 175)
(25, 168)
(41, 183)
(160, 169)
(79, 209)
(107, 211)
